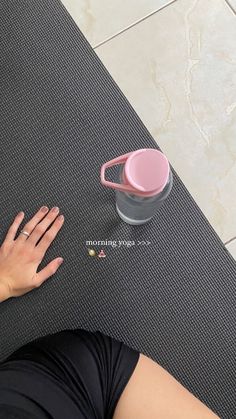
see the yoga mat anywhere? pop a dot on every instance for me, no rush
(166, 288)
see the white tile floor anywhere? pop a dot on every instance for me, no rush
(100, 20)
(232, 3)
(177, 66)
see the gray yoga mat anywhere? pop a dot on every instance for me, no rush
(172, 293)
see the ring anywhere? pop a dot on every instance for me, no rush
(25, 233)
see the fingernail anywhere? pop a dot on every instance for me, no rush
(60, 261)
(21, 213)
(44, 209)
(55, 209)
(61, 217)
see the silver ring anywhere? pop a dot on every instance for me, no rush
(25, 233)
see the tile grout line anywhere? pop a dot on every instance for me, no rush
(230, 241)
(230, 6)
(134, 24)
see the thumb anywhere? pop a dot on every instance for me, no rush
(48, 271)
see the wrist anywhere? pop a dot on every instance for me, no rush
(4, 291)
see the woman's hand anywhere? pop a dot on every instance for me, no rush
(20, 258)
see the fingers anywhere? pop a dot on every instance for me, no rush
(49, 236)
(38, 229)
(48, 271)
(29, 227)
(14, 227)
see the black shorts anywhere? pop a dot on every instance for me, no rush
(72, 374)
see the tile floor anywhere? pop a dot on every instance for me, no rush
(176, 63)
(232, 3)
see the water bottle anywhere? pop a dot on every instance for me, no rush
(144, 182)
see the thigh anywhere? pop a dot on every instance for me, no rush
(154, 393)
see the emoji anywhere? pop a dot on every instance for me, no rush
(91, 252)
(101, 254)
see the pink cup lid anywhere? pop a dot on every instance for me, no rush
(146, 172)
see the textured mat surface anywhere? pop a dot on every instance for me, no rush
(62, 117)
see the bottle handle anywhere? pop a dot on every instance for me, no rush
(119, 186)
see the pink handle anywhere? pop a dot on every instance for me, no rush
(119, 186)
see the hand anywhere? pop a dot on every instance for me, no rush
(20, 258)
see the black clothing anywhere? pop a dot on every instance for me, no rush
(73, 374)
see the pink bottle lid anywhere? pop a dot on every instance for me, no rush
(146, 172)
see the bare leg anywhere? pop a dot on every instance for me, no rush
(153, 393)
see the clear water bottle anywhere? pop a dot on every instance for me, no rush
(144, 182)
